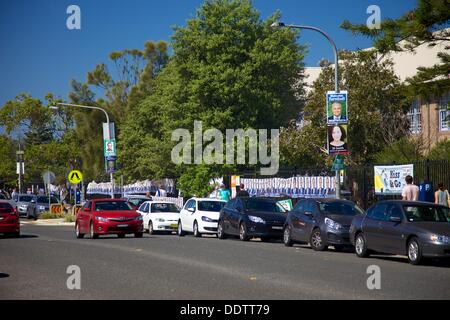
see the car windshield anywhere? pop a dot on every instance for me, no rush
(164, 207)
(25, 198)
(415, 213)
(252, 205)
(211, 205)
(112, 206)
(42, 199)
(340, 208)
(137, 201)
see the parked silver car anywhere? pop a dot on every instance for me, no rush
(22, 201)
(40, 204)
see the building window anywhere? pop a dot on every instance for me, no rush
(415, 117)
(444, 113)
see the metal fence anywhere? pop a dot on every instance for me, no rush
(358, 183)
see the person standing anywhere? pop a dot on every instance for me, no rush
(410, 191)
(242, 192)
(225, 194)
(442, 196)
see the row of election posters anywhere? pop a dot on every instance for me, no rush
(337, 119)
(390, 180)
(301, 186)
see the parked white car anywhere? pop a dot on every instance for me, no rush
(200, 215)
(159, 216)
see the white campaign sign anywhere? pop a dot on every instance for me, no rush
(391, 179)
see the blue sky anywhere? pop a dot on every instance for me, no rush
(40, 55)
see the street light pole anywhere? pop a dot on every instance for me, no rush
(336, 76)
(111, 177)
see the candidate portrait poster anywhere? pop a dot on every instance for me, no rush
(337, 107)
(390, 180)
(337, 139)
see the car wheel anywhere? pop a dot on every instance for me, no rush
(92, 233)
(138, 235)
(150, 228)
(121, 235)
(180, 231)
(414, 251)
(197, 234)
(361, 246)
(243, 235)
(78, 233)
(316, 241)
(220, 233)
(287, 238)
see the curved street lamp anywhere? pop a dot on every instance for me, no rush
(277, 25)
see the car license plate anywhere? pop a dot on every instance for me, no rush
(174, 226)
(122, 225)
(277, 228)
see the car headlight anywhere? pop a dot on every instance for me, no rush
(138, 218)
(102, 219)
(333, 224)
(441, 239)
(206, 219)
(256, 219)
(160, 220)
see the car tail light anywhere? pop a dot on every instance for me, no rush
(14, 212)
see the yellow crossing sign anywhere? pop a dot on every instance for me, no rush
(75, 177)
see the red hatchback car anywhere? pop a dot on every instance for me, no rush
(108, 216)
(9, 219)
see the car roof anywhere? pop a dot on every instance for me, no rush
(207, 199)
(411, 203)
(325, 200)
(108, 199)
(136, 196)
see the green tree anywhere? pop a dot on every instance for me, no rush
(377, 112)
(441, 151)
(121, 91)
(427, 25)
(7, 161)
(230, 70)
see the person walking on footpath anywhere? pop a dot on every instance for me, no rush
(225, 194)
(242, 192)
(410, 191)
(442, 196)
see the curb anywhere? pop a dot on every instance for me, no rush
(48, 222)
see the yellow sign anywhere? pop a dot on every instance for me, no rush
(56, 208)
(75, 177)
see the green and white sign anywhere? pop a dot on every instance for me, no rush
(109, 147)
(286, 204)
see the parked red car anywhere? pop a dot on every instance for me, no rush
(108, 216)
(9, 219)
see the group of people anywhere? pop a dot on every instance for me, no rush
(411, 193)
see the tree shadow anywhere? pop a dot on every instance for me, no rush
(22, 236)
(427, 262)
(4, 275)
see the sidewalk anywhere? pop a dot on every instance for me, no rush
(48, 222)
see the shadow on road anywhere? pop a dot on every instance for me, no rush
(4, 275)
(433, 262)
(22, 236)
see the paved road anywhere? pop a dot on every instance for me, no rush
(170, 267)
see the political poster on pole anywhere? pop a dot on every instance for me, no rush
(337, 108)
(337, 139)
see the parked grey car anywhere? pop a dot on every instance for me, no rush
(321, 223)
(414, 229)
(40, 204)
(22, 201)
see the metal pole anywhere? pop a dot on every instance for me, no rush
(336, 83)
(108, 133)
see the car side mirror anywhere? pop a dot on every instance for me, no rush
(191, 210)
(33, 201)
(395, 219)
(308, 213)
